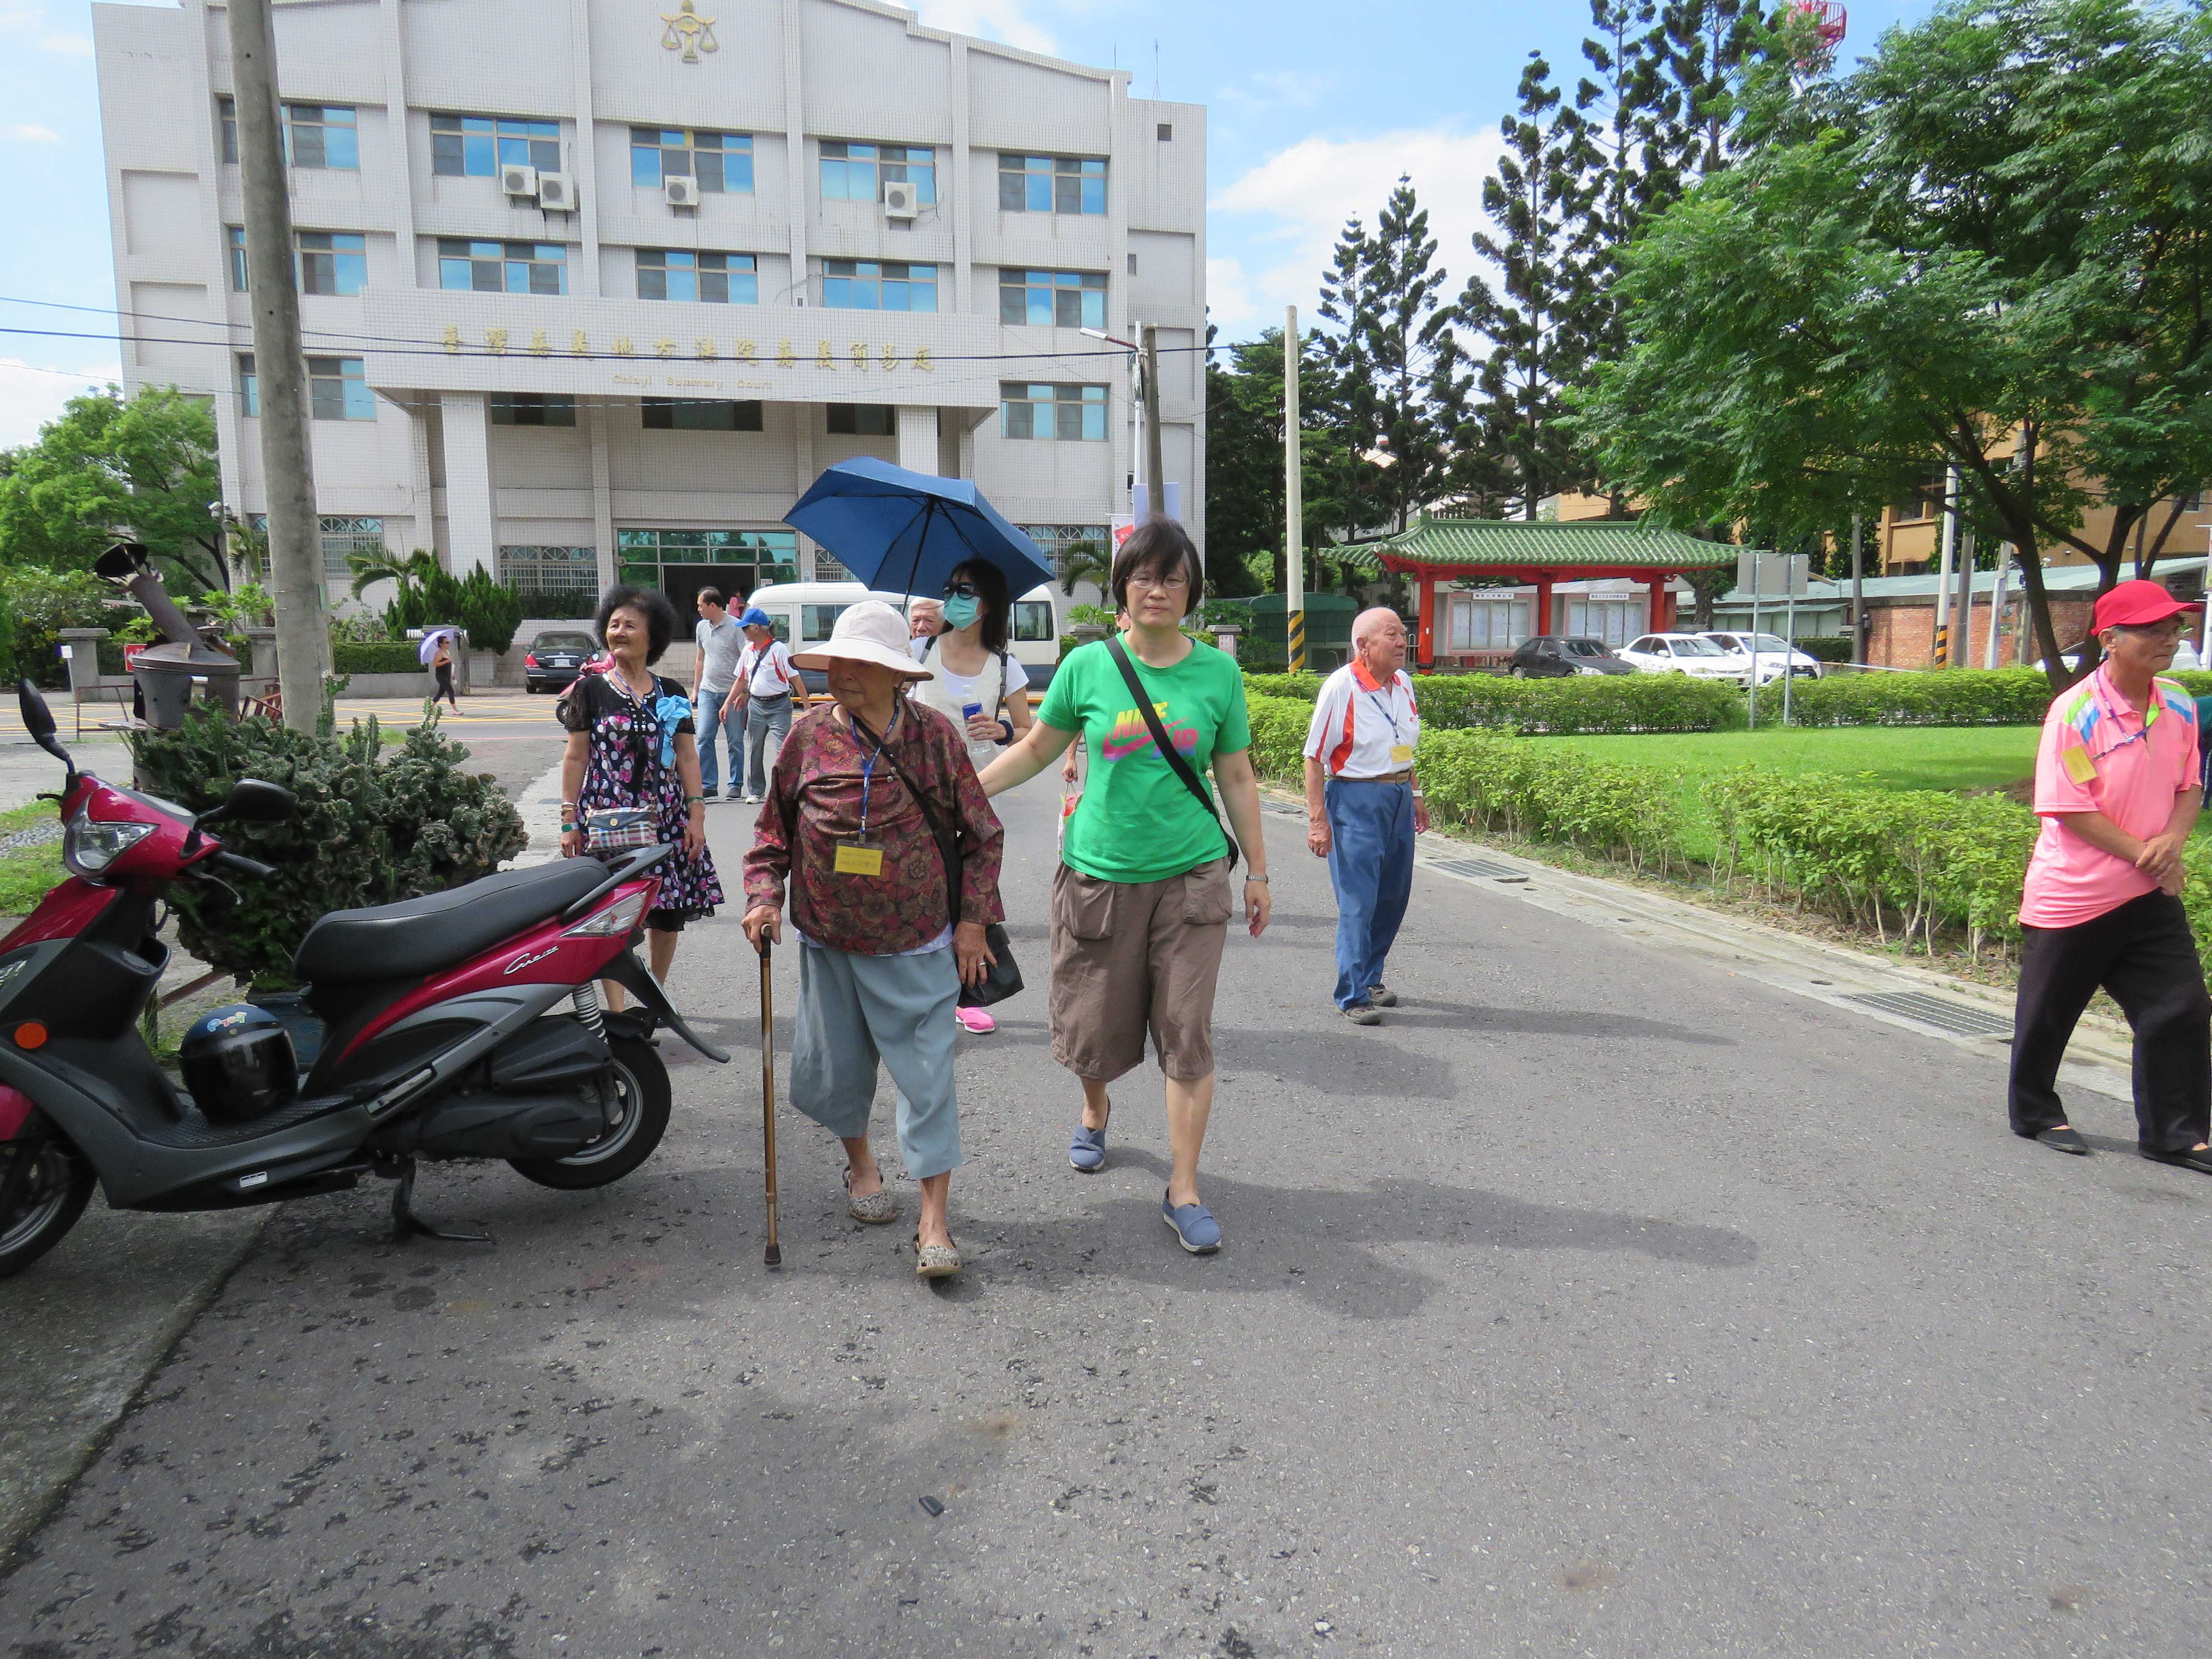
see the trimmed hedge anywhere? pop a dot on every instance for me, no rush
(1902, 865)
(1947, 696)
(1585, 704)
(1826, 648)
(376, 657)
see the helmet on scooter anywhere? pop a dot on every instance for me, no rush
(238, 1063)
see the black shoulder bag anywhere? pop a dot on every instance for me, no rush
(1002, 978)
(1176, 763)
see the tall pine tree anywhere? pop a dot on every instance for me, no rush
(1533, 321)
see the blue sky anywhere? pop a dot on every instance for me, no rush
(1314, 110)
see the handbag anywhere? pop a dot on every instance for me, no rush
(625, 829)
(1176, 763)
(1002, 978)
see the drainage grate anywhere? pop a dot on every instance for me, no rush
(1956, 1017)
(1478, 869)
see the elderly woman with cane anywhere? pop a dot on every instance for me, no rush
(1141, 905)
(876, 828)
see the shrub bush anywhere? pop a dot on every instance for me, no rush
(1828, 647)
(1593, 704)
(1304, 686)
(374, 826)
(376, 657)
(1949, 696)
(41, 602)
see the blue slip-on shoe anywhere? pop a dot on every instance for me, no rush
(1087, 1151)
(1195, 1229)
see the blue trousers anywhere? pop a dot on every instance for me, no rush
(1370, 865)
(712, 722)
(856, 1011)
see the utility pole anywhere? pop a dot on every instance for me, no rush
(1294, 505)
(1950, 547)
(1963, 656)
(1858, 595)
(1156, 476)
(280, 367)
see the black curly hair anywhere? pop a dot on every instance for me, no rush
(649, 603)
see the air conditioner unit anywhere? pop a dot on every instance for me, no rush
(900, 201)
(680, 191)
(557, 193)
(519, 180)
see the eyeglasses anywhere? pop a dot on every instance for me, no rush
(1161, 580)
(962, 590)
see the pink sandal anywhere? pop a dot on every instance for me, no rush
(977, 1020)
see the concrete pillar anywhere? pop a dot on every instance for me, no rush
(469, 521)
(603, 496)
(1425, 650)
(418, 479)
(83, 645)
(917, 439)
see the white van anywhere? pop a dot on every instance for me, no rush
(804, 612)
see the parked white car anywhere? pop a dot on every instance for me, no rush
(1773, 651)
(1684, 653)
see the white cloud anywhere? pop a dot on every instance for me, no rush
(30, 132)
(20, 20)
(1265, 89)
(994, 20)
(69, 45)
(33, 394)
(1275, 225)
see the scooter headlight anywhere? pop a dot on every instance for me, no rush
(616, 919)
(89, 845)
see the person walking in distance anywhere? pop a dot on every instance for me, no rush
(974, 681)
(769, 688)
(1140, 904)
(720, 717)
(441, 670)
(1363, 815)
(868, 800)
(2117, 789)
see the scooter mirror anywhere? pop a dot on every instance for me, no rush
(252, 801)
(37, 719)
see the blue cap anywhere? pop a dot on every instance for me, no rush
(756, 617)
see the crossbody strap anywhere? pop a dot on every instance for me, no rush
(948, 842)
(1176, 763)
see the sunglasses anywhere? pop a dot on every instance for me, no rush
(962, 590)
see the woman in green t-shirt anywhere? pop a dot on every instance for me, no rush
(1141, 905)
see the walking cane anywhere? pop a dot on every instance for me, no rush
(773, 1255)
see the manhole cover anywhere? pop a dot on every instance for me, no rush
(1956, 1017)
(1478, 870)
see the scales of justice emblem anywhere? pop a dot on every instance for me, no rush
(688, 33)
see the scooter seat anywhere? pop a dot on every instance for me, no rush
(419, 936)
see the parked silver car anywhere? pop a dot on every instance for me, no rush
(1684, 653)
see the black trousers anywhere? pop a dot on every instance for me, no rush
(2144, 954)
(445, 671)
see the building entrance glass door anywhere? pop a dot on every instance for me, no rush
(679, 562)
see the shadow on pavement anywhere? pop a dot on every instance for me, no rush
(1543, 1022)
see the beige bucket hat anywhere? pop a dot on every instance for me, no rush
(869, 631)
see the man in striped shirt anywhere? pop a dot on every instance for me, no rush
(1363, 816)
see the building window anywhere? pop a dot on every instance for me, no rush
(533, 409)
(344, 539)
(321, 136)
(1052, 298)
(858, 173)
(551, 569)
(1166, 132)
(234, 238)
(716, 278)
(227, 109)
(1067, 413)
(1486, 625)
(828, 567)
(328, 261)
(700, 415)
(249, 386)
(863, 420)
(1065, 545)
(1051, 183)
(502, 267)
(338, 389)
(878, 285)
(763, 556)
(479, 146)
(1924, 500)
(1613, 621)
(720, 161)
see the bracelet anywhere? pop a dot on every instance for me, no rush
(695, 800)
(1262, 880)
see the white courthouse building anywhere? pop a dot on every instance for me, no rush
(593, 289)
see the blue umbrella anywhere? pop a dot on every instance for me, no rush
(905, 531)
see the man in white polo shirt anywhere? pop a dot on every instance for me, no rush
(1362, 817)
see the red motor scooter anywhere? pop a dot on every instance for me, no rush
(465, 1023)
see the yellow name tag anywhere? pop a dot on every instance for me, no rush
(856, 860)
(1401, 754)
(2079, 766)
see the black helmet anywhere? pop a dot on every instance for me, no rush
(238, 1063)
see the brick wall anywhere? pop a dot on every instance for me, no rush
(1903, 635)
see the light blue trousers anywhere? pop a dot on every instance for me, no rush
(720, 716)
(854, 1010)
(764, 716)
(1370, 865)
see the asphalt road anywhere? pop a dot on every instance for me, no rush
(1599, 1303)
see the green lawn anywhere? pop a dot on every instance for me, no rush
(26, 875)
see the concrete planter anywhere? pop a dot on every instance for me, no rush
(390, 685)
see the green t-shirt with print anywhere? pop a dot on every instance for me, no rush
(1136, 821)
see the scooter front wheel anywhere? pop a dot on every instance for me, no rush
(59, 1187)
(642, 1098)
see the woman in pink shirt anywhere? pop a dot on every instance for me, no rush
(2116, 786)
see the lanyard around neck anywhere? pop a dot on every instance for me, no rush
(867, 772)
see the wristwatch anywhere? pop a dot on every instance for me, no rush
(1262, 880)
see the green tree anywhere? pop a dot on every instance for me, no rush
(1245, 514)
(1989, 250)
(106, 466)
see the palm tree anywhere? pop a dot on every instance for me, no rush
(370, 569)
(1085, 561)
